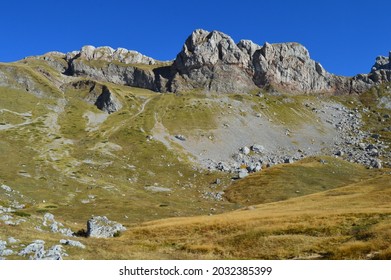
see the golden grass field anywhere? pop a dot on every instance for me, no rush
(348, 222)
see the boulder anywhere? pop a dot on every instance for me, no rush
(6, 188)
(376, 163)
(56, 252)
(242, 173)
(222, 166)
(245, 150)
(36, 250)
(102, 227)
(73, 243)
(180, 137)
(257, 148)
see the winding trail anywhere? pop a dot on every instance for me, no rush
(120, 125)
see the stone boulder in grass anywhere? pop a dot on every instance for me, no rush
(102, 227)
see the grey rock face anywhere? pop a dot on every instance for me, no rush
(212, 61)
(102, 227)
(382, 62)
(114, 73)
(12, 77)
(99, 95)
(107, 101)
(288, 66)
(109, 54)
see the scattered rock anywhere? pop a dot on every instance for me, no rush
(6, 188)
(339, 153)
(288, 160)
(257, 148)
(222, 166)
(3, 245)
(102, 227)
(56, 252)
(36, 250)
(245, 150)
(12, 240)
(73, 243)
(157, 189)
(180, 137)
(242, 173)
(6, 252)
(217, 196)
(54, 226)
(376, 163)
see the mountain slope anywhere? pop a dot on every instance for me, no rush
(115, 133)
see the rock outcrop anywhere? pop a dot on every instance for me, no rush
(109, 54)
(288, 67)
(380, 73)
(36, 251)
(213, 62)
(99, 95)
(102, 227)
(54, 226)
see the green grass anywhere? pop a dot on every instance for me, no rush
(305, 177)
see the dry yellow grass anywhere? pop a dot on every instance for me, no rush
(352, 222)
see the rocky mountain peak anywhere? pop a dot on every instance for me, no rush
(204, 48)
(213, 62)
(288, 66)
(248, 47)
(210, 60)
(382, 62)
(109, 54)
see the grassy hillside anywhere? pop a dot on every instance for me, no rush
(60, 154)
(308, 176)
(351, 222)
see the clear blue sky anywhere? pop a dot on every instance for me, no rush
(344, 36)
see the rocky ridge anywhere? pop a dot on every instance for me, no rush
(213, 62)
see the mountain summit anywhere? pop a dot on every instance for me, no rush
(212, 61)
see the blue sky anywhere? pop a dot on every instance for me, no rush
(344, 36)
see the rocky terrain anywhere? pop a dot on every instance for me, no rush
(101, 134)
(210, 60)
